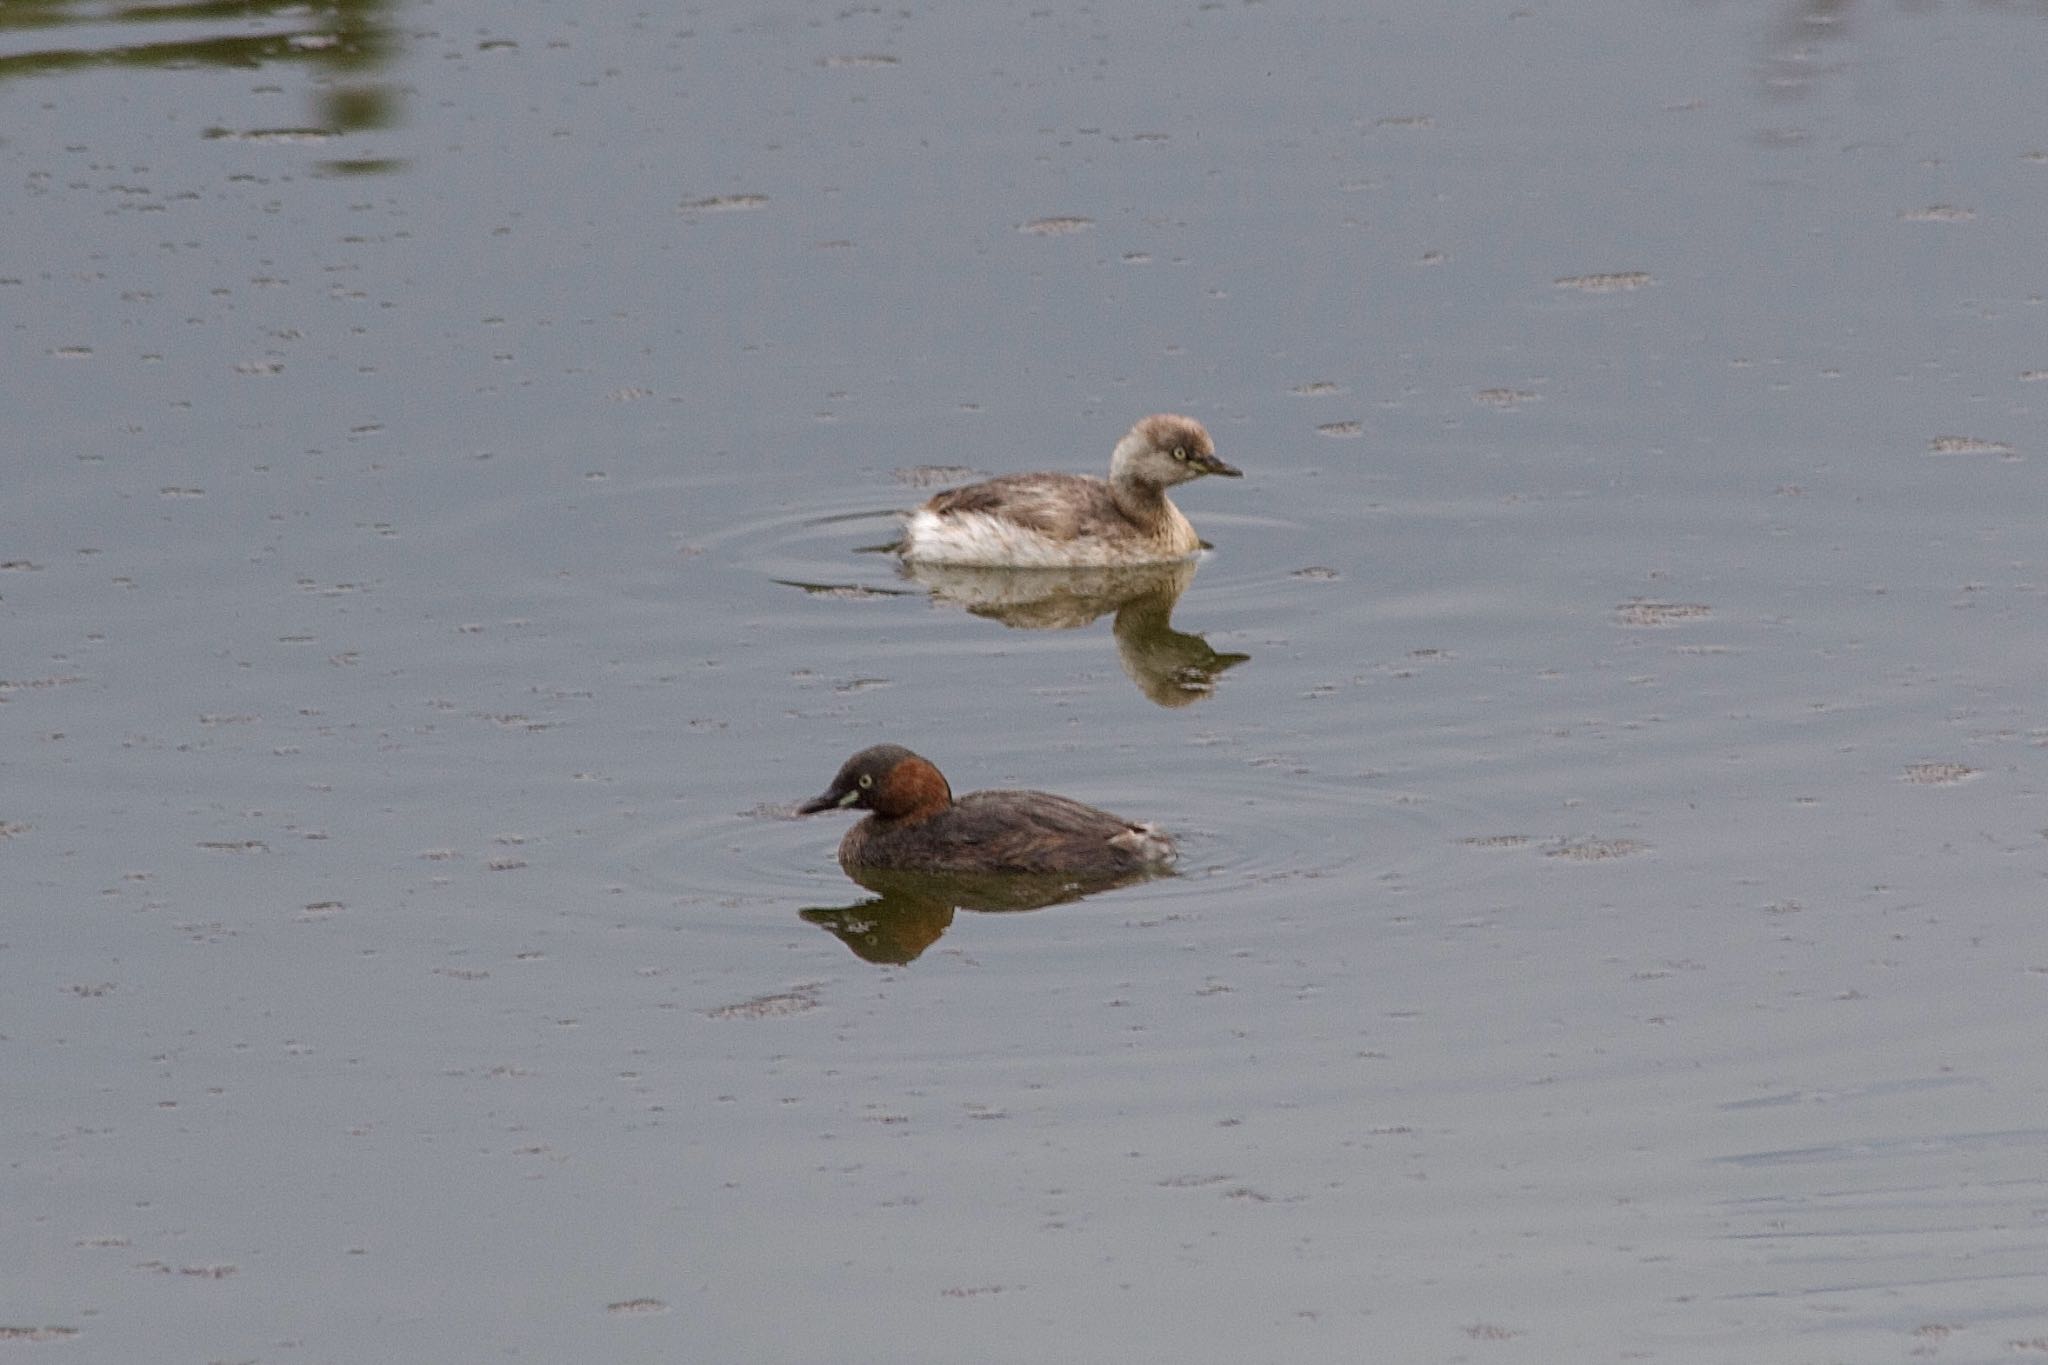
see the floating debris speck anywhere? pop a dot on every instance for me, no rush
(1503, 398)
(1594, 850)
(1939, 774)
(282, 136)
(1967, 445)
(724, 203)
(1938, 213)
(1055, 227)
(1660, 613)
(1615, 283)
(779, 1005)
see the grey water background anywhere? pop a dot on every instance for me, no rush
(446, 448)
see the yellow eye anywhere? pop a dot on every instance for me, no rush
(1180, 453)
(867, 779)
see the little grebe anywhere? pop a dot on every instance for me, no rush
(915, 824)
(1036, 521)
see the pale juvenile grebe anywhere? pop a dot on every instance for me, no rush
(1075, 520)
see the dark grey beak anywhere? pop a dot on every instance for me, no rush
(1209, 464)
(829, 801)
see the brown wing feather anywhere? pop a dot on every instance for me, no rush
(1037, 831)
(1063, 506)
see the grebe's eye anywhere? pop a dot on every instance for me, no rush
(1181, 453)
(867, 779)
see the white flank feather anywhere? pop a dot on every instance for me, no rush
(983, 538)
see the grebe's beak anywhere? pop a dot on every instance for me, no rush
(829, 801)
(1209, 464)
